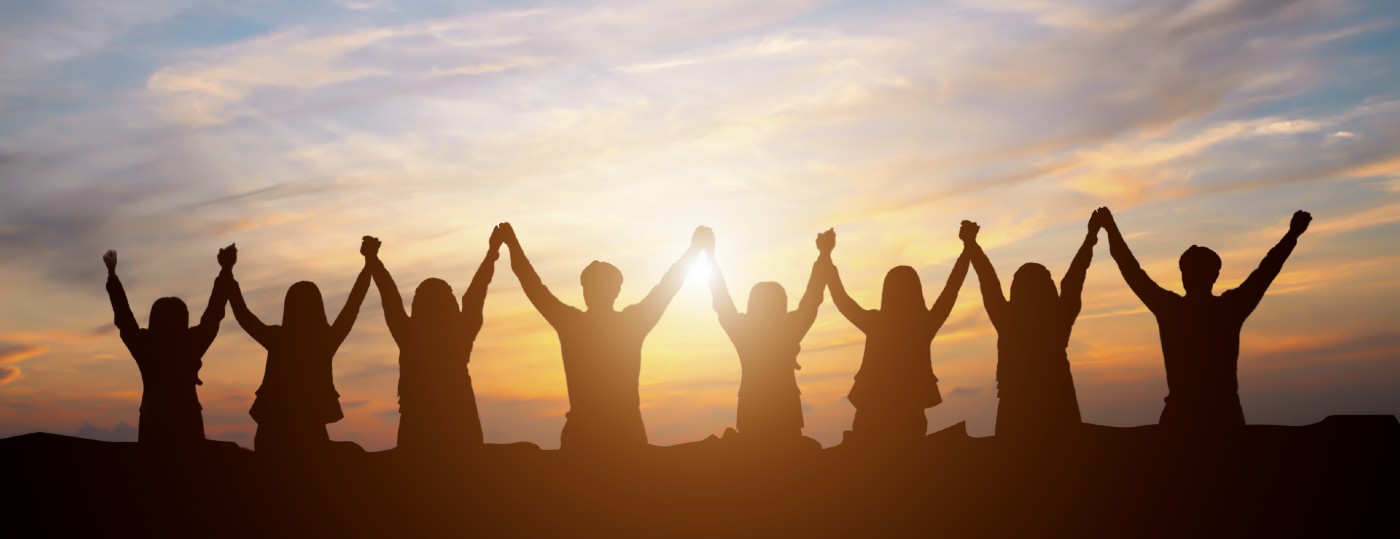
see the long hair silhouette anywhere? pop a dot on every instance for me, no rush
(895, 382)
(297, 397)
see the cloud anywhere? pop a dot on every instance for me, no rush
(121, 432)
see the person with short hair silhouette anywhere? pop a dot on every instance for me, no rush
(169, 354)
(1200, 331)
(1034, 385)
(602, 346)
(895, 382)
(768, 339)
(297, 398)
(437, 406)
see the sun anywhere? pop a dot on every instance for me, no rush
(699, 269)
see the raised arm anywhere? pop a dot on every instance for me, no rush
(719, 297)
(121, 309)
(1146, 289)
(993, 299)
(539, 295)
(1252, 290)
(654, 304)
(249, 322)
(806, 312)
(340, 329)
(1072, 285)
(859, 317)
(474, 299)
(394, 315)
(943, 306)
(208, 327)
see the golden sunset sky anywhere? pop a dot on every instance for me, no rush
(609, 130)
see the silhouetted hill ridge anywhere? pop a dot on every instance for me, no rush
(1338, 475)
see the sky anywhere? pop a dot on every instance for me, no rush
(609, 130)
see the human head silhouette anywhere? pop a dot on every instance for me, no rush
(169, 314)
(767, 300)
(1200, 267)
(601, 283)
(903, 291)
(303, 308)
(434, 301)
(1033, 288)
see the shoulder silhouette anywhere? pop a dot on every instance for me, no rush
(1200, 331)
(602, 346)
(768, 339)
(437, 406)
(895, 382)
(169, 354)
(297, 398)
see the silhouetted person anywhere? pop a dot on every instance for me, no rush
(895, 382)
(169, 354)
(1200, 331)
(437, 407)
(768, 339)
(1034, 384)
(601, 346)
(297, 398)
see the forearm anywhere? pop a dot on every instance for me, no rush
(214, 312)
(475, 297)
(949, 296)
(1118, 249)
(816, 283)
(987, 280)
(121, 309)
(1079, 267)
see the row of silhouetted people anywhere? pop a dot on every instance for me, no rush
(601, 347)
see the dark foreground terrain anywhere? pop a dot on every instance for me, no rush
(1338, 476)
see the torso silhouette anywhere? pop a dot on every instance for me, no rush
(298, 386)
(169, 362)
(896, 369)
(602, 353)
(769, 400)
(1201, 347)
(1034, 383)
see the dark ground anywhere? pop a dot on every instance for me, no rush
(1335, 477)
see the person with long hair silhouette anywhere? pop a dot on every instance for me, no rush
(1034, 386)
(1200, 331)
(437, 407)
(602, 346)
(895, 383)
(169, 354)
(297, 398)
(768, 339)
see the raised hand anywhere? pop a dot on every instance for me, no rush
(369, 246)
(497, 237)
(1106, 218)
(703, 239)
(826, 241)
(507, 235)
(228, 256)
(1095, 222)
(1300, 222)
(110, 259)
(968, 232)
